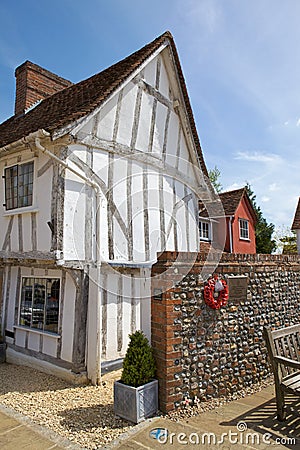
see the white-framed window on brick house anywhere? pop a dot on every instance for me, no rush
(244, 228)
(19, 185)
(39, 305)
(204, 230)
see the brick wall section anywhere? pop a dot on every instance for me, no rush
(216, 353)
(33, 83)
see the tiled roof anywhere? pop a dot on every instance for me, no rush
(296, 222)
(230, 201)
(78, 100)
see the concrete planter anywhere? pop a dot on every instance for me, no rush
(135, 404)
(2, 352)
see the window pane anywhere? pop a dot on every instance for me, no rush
(52, 306)
(11, 182)
(40, 303)
(26, 302)
(18, 185)
(204, 230)
(244, 230)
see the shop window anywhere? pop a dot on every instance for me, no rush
(39, 308)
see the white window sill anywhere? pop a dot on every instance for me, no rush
(35, 331)
(15, 212)
(245, 239)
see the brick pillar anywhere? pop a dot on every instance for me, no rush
(165, 337)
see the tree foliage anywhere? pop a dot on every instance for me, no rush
(263, 229)
(139, 364)
(286, 240)
(214, 175)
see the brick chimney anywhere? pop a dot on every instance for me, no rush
(33, 83)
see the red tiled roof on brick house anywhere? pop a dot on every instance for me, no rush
(239, 222)
(69, 105)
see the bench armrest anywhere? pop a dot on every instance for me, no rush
(287, 362)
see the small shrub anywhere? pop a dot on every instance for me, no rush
(139, 364)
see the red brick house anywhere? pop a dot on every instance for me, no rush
(296, 225)
(239, 222)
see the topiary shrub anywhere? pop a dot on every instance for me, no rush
(139, 364)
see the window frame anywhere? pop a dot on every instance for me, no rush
(201, 223)
(17, 204)
(243, 229)
(33, 328)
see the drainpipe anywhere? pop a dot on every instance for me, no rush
(230, 234)
(95, 186)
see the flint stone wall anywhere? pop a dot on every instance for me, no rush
(216, 353)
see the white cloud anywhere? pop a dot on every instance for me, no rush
(258, 157)
(233, 186)
(273, 187)
(298, 123)
(265, 199)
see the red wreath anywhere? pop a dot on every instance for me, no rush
(213, 299)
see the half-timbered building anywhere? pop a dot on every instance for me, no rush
(98, 178)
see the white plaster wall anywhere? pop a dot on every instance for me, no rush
(10, 320)
(172, 138)
(180, 218)
(127, 318)
(164, 84)
(91, 356)
(100, 164)
(127, 114)
(150, 72)
(27, 231)
(68, 320)
(44, 195)
(127, 309)
(145, 303)
(120, 178)
(49, 345)
(34, 341)
(106, 119)
(143, 135)
(42, 189)
(159, 129)
(74, 218)
(153, 213)
(112, 314)
(20, 337)
(137, 214)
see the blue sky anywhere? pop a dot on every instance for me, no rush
(241, 61)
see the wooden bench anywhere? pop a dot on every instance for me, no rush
(284, 352)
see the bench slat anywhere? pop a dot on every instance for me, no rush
(284, 343)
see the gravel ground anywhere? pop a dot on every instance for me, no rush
(82, 414)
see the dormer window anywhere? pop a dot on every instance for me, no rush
(18, 186)
(244, 229)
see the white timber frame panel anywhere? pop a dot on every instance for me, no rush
(135, 138)
(139, 150)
